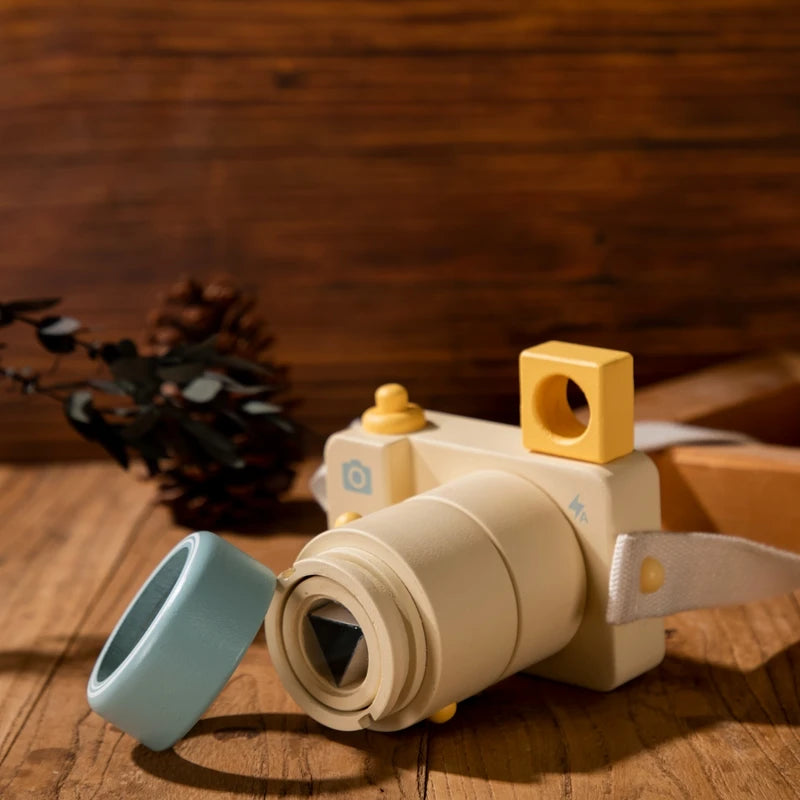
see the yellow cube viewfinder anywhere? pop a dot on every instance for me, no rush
(548, 423)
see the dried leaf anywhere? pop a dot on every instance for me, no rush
(56, 334)
(259, 407)
(235, 387)
(241, 364)
(110, 352)
(180, 373)
(68, 386)
(10, 311)
(59, 326)
(151, 450)
(78, 407)
(38, 304)
(108, 387)
(202, 389)
(124, 411)
(91, 424)
(178, 443)
(127, 348)
(136, 376)
(148, 417)
(282, 423)
(212, 442)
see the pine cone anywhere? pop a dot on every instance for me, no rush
(200, 491)
(192, 311)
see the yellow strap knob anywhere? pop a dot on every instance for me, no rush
(392, 413)
(651, 577)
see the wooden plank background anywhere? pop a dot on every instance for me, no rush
(417, 190)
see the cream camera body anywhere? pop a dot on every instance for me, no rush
(458, 556)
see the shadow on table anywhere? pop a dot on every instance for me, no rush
(54, 651)
(518, 730)
(297, 515)
(386, 753)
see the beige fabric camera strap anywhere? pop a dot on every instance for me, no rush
(652, 435)
(700, 570)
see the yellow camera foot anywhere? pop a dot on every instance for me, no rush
(444, 714)
(345, 518)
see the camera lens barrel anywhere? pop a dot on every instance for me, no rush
(384, 621)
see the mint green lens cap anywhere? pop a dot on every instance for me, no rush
(180, 639)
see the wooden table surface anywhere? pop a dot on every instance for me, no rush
(717, 719)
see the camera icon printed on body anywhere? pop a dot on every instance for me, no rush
(356, 477)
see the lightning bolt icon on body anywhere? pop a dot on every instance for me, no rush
(577, 509)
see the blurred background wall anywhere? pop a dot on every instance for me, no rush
(416, 189)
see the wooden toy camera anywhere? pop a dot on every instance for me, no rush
(463, 551)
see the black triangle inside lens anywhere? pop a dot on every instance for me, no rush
(338, 641)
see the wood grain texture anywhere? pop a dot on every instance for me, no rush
(418, 190)
(718, 719)
(60, 539)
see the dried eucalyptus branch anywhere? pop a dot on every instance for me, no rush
(185, 412)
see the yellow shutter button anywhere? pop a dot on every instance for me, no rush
(392, 413)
